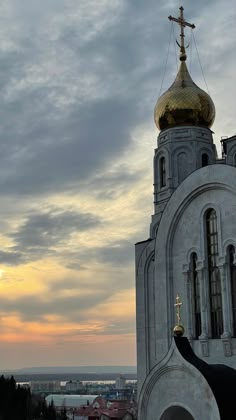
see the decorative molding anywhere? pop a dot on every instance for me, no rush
(192, 250)
(185, 268)
(204, 346)
(221, 261)
(151, 382)
(227, 346)
(227, 243)
(200, 265)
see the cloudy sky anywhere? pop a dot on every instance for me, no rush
(78, 83)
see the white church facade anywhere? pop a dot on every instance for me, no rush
(191, 252)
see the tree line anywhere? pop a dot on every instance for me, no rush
(17, 403)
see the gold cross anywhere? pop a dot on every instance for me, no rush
(182, 23)
(178, 305)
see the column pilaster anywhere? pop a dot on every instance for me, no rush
(226, 336)
(188, 294)
(204, 308)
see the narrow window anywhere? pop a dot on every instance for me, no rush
(216, 316)
(162, 172)
(205, 160)
(196, 297)
(231, 253)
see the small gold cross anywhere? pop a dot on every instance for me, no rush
(178, 305)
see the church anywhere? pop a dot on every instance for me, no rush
(191, 254)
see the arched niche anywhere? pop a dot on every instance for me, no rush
(176, 413)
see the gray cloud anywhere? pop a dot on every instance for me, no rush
(47, 234)
(119, 253)
(112, 184)
(113, 254)
(71, 308)
(74, 86)
(42, 233)
(52, 143)
(51, 228)
(11, 257)
(118, 327)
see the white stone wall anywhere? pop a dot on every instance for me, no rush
(212, 186)
(176, 383)
(180, 232)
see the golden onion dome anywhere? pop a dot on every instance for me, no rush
(184, 103)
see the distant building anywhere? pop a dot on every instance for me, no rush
(45, 386)
(120, 382)
(80, 407)
(70, 401)
(103, 410)
(73, 386)
(120, 394)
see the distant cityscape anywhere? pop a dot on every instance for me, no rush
(84, 395)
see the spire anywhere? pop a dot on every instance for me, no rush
(182, 23)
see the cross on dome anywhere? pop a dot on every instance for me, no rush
(184, 103)
(182, 23)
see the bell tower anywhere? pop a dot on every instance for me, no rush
(184, 115)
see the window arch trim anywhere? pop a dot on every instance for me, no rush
(162, 171)
(203, 213)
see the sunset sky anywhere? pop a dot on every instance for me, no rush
(78, 81)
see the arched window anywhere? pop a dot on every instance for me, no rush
(216, 317)
(162, 172)
(196, 297)
(232, 267)
(205, 160)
